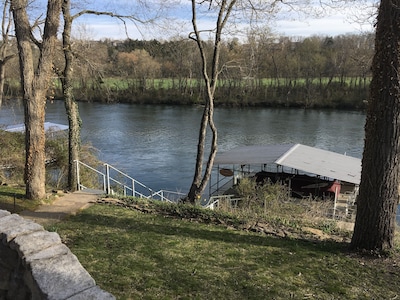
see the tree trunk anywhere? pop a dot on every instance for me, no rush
(74, 137)
(35, 84)
(379, 188)
(194, 191)
(74, 120)
(200, 180)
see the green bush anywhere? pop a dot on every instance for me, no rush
(12, 159)
(57, 162)
(265, 198)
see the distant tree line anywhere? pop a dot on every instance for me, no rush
(330, 72)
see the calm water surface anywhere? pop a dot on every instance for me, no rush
(157, 144)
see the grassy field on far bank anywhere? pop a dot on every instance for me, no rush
(168, 83)
(136, 254)
(318, 92)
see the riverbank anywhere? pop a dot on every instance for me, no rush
(248, 94)
(346, 93)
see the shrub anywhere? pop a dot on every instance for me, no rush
(12, 159)
(265, 198)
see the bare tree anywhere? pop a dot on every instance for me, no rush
(210, 70)
(66, 76)
(379, 187)
(201, 179)
(35, 80)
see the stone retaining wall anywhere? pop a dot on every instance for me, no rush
(35, 264)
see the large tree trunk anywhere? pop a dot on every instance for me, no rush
(35, 84)
(379, 188)
(74, 120)
(74, 137)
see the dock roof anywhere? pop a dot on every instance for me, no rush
(297, 156)
(48, 127)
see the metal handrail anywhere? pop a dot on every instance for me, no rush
(213, 202)
(108, 181)
(134, 181)
(161, 194)
(227, 184)
(81, 186)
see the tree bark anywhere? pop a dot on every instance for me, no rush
(379, 187)
(74, 120)
(35, 83)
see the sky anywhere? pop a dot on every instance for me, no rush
(336, 22)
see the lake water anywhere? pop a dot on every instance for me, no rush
(157, 144)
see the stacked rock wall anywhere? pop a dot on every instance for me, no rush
(35, 264)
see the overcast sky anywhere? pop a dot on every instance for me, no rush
(336, 23)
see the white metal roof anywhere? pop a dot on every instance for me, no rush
(48, 127)
(297, 156)
(258, 154)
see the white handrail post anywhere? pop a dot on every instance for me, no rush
(335, 203)
(108, 191)
(78, 179)
(133, 188)
(104, 183)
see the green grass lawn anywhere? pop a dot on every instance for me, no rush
(137, 255)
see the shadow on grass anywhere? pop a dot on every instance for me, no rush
(10, 203)
(131, 253)
(211, 262)
(159, 225)
(12, 195)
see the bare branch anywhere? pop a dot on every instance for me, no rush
(110, 14)
(120, 17)
(36, 25)
(192, 35)
(8, 57)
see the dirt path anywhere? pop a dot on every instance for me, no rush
(68, 204)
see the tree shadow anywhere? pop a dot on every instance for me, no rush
(156, 237)
(191, 231)
(11, 206)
